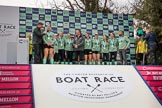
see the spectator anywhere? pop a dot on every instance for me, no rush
(150, 38)
(30, 47)
(141, 51)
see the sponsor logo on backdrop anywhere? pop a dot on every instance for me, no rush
(6, 29)
(23, 40)
(100, 86)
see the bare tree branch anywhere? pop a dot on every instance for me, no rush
(72, 7)
(55, 5)
(105, 5)
(96, 7)
(79, 5)
(83, 1)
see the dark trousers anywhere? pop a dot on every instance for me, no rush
(142, 59)
(56, 57)
(38, 53)
(160, 48)
(122, 54)
(61, 53)
(78, 54)
(105, 57)
(30, 58)
(69, 56)
(113, 56)
(153, 54)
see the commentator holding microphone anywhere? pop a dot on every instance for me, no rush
(38, 43)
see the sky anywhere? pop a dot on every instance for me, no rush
(37, 3)
(23, 3)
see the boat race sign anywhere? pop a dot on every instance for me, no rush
(91, 85)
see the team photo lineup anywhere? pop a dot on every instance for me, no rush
(77, 37)
(83, 53)
(62, 48)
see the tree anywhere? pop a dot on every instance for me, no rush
(83, 5)
(105, 6)
(151, 12)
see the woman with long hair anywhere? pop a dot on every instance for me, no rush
(69, 48)
(96, 43)
(113, 47)
(56, 57)
(87, 49)
(48, 39)
(30, 47)
(105, 48)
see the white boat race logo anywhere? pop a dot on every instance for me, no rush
(6, 29)
(91, 85)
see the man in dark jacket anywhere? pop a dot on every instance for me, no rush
(78, 45)
(152, 45)
(38, 43)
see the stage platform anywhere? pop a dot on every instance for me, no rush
(80, 86)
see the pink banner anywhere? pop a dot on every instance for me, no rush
(153, 68)
(15, 73)
(154, 83)
(17, 106)
(157, 89)
(16, 92)
(15, 67)
(159, 94)
(15, 85)
(15, 99)
(153, 78)
(151, 72)
(15, 79)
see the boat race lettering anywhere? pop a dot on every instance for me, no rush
(84, 79)
(96, 86)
